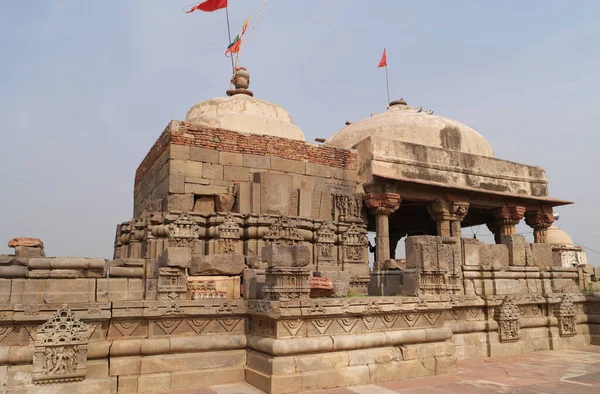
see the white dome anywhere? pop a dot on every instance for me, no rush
(406, 124)
(556, 236)
(245, 114)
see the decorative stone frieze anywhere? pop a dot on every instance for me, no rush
(183, 231)
(283, 231)
(60, 353)
(565, 312)
(326, 253)
(229, 235)
(349, 208)
(507, 315)
(287, 283)
(354, 244)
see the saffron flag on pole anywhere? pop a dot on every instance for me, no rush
(208, 6)
(383, 61)
(234, 47)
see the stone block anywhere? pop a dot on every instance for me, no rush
(243, 193)
(13, 271)
(388, 283)
(151, 288)
(494, 255)
(209, 377)
(275, 192)
(256, 161)
(154, 382)
(111, 289)
(232, 173)
(193, 361)
(5, 286)
(318, 170)
(516, 249)
(212, 171)
(340, 279)
(254, 281)
(204, 155)
(224, 202)
(206, 190)
(178, 202)
(321, 362)
(374, 356)
(135, 289)
(596, 274)
(179, 152)
(286, 255)
(176, 184)
(29, 251)
(471, 249)
(286, 165)
(348, 376)
(127, 384)
(421, 251)
(204, 204)
(542, 255)
(125, 365)
(230, 159)
(305, 203)
(186, 168)
(303, 182)
(175, 257)
(60, 291)
(218, 264)
(197, 180)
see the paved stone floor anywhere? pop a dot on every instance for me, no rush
(567, 371)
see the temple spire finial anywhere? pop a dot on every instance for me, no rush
(241, 81)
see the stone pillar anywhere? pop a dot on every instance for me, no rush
(382, 205)
(448, 215)
(505, 220)
(540, 219)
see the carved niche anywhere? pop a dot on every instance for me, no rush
(60, 353)
(283, 232)
(325, 244)
(183, 231)
(287, 283)
(354, 244)
(507, 316)
(349, 207)
(171, 283)
(201, 290)
(565, 311)
(229, 235)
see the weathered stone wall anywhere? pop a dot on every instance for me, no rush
(188, 161)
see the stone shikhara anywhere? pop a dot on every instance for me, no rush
(248, 259)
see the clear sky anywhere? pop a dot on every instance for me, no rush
(86, 87)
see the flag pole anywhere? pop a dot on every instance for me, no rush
(387, 84)
(229, 34)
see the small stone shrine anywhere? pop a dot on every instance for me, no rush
(247, 260)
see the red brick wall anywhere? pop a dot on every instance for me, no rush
(184, 133)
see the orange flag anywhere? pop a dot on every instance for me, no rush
(383, 62)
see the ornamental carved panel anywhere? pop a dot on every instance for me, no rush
(60, 353)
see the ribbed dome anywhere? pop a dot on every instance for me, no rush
(406, 124)
(245, 114)
(556, 236)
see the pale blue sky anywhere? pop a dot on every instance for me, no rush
(88, 86)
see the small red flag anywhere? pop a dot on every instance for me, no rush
(209, 6)
(383, 62)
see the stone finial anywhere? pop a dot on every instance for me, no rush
(241, 81)
(27, 247)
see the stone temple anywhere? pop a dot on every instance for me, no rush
(247, 260)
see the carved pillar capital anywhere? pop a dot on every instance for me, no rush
(540, 219)
(504, 220)
(382, 203)
(448, 215)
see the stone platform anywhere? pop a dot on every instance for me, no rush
(569, 371)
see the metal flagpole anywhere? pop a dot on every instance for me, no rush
(387, 85)
(229, 33)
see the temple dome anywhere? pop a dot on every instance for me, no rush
(556, 236)
(413, 125)
(245, 114)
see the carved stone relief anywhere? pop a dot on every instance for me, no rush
(507, 316)
(60, 353)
